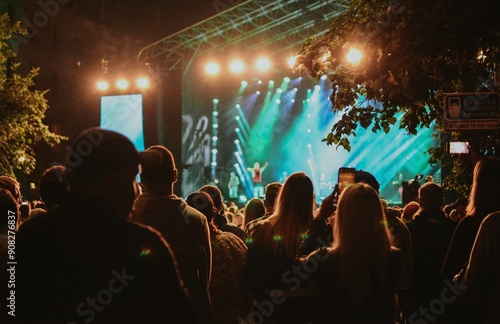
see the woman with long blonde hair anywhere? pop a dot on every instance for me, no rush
(271, 254)
(354, 279)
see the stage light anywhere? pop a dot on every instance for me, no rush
(102, 85)
(257, 92)
(242, 199)
(244, 83)
(279, 90)
(295, 89)
(324, 77)
(238, 106)
(277, 101)
(212, 68)
(215, 101)
(215, 113)
(293, 100)
(122, 84)
(214, 151)
(236, 142)
(259, 82)
(317, 87)
(237, 130)
(291, 61)
(215, 138)
(215, 126)
(263, 64)
(214, 164)
(237, 117)
(286, 79)
(354, 56)
(236, 66)
(142, 83)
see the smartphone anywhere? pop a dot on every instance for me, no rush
(458, 147)
(346, 177)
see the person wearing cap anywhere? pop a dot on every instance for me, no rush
(185, 228)
(84, 260)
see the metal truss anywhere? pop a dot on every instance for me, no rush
(279, 26)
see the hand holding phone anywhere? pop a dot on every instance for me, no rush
(346, 177)
(458, 147)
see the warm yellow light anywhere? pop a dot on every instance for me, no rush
(122, 84)
(237, 66)
(263, 64)
(102, 85)
(291, 61)
(354, 56)
(142, 83)
(212, 68)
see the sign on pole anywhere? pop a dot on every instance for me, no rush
(472, 111)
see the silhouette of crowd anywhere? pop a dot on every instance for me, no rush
(100, 248)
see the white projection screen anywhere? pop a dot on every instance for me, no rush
(124, 114)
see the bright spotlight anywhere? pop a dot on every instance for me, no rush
(215, 138)
(214, 151)
(238, 106)
(215, 126)
(236, 141)
(309, 145)
(214, 164)
(215, 101)
(237, 130)
(263, 64)
(286, 79)
(354, 56)
(244, 83)
(122, 84)
(257, 92)
(259, 82)
(142, 83)
(279, 90)
(278, 101)
(237, 117)
(291, 61)
(317, 87)
(212, 68)
(215, 113)
(242, 199)
(324, 77)
(236, 66)
(102, 85)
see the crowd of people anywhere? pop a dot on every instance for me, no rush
(98, 247)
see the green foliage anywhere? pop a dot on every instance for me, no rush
(22, 109)
(412, 53)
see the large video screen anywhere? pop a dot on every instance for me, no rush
(124, 114)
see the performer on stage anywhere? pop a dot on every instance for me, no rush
(233, 184)
(257, 170)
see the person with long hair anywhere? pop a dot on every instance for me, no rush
(354, 278)
(484, 199)
(272, 249)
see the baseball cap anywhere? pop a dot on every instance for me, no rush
(368, 178)
(97, 151)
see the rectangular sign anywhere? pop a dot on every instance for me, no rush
(472, 106)
(472, 125)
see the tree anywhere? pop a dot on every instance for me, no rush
(413, 52)
(22, 109)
